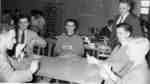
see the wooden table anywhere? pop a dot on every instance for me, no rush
(73, 70)
(69, 69)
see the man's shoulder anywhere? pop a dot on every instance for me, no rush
(62, 36)
(77, 37)
(141, 40)
(133, 20)
(132, 17)
(30, 31)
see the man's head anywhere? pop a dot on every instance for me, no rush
(23, 22)
(124, 7)
(71, 26)
(37, 18)
(124, 31)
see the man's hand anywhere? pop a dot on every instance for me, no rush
(92, 60)
(34, 66)
(19, 49)
(109, 74)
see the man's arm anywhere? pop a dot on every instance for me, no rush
(37, 40)
(124, 70)
(137, 29)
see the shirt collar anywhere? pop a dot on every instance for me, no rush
(125, 15)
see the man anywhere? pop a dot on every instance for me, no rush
(106, 30)
(69, 44)
(26, 37)
(38, 22)
(126, 17)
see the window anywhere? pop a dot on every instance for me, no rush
(144, 7)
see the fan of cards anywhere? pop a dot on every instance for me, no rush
(19, 53)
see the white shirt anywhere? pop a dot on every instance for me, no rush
(137, 50)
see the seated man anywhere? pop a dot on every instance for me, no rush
(69, 43)
(38, 22)
(127, 64)
(7, 71)
(28, 37)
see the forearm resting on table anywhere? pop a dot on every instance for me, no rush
(124, 70)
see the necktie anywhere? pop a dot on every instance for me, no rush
(119, 20)
(21, 37)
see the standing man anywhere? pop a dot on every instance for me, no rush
(125, 16)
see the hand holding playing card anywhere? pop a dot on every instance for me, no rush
(92, 60)
(19, 50)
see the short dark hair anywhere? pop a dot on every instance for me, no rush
(36, 12)
(126, 26)
(21, 16)
(124, 1)
(74, 21)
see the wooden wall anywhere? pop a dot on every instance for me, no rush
(90, 13)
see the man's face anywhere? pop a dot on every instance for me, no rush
(23, 23)
(38, 21)
(123, 8)
(70, 27)
(34, 21)
(122, 34)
